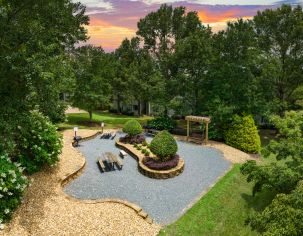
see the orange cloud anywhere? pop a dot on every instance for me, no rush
(207, 16)
(98, 22)
(108, 36)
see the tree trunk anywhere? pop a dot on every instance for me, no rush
(139, 108)
(147, 108)
(281, 96)
(165, 110)
(119, 104)
(196, 92)
(90, 116)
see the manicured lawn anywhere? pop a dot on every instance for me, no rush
(110, 120)
(222, 211)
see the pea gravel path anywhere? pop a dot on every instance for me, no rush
(163, 200)
(47, 211)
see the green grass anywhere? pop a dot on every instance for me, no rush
(222, 211)
(111, 120)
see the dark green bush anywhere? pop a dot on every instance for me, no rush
(38, 143)
(132, 128)
(12, 185)
(243, 134)
(164, 146)
(162, 123)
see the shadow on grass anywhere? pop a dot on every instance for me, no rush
(260, 201)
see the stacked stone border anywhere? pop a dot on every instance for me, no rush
(70, 177)
(155, 174)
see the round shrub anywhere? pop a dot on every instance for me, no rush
(39, 143)
(243, 134)
(12, 185)
(132, 128)
(164, 146)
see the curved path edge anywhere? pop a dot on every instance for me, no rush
(70, 177)
(227, 151)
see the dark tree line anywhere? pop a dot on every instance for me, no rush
(175, 62)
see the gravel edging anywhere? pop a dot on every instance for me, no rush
(230, 153)
(47, 211)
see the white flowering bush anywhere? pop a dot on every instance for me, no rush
(12, 185)
(39, 143)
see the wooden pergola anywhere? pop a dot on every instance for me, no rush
(200, 119)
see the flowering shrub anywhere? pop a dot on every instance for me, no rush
(12, 185)
(39, 143)
(164, 146)
(159, 165)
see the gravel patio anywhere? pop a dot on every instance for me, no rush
(164, 200)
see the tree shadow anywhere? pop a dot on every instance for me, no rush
(260, 201)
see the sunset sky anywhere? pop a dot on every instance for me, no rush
(113, 20)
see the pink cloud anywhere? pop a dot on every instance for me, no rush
(108, 29)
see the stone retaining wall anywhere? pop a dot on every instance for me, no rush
(155, 174)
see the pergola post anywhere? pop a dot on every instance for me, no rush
(187, 134)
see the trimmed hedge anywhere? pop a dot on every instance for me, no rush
(132, 128)
(162, 123)
(243, 134)
(164, 146)
(12, 185)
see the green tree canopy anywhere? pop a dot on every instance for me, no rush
(34, 36)
(139, 77)
(281, 178)
(280, 37)
(93, 73)
(160, 31)
(193, 56)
